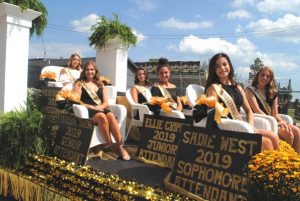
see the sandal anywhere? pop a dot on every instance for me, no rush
(123, 154)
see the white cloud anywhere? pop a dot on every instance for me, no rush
(240, 13)
(178, 24)
(140, 36)
(242, 3)
(242, 53)
(194, 44)
(285, 28)
(84, 24)
(56, 50)
(275, 6)
(145, 5)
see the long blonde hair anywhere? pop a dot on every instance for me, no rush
(72, 57)
(271, 86)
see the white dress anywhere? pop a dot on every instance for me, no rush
(69, 76)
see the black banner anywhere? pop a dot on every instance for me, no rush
(159, 139)
(73, 139)
(209, 163)
(49, 108)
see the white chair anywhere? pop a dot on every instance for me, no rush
(230, 125)
(287, 118)
(56, 70)
(193, 92)
(119, 111)
(174, 113)
(136, 108)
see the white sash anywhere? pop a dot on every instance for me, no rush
(228, 101)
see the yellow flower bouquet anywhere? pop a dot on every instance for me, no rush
(274, 175)
(48, 75)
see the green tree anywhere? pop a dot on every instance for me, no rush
(38, 24)
(106, 29)
(255, 67)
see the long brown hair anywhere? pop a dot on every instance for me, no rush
(212, 76)
(72, 57)
(271, 86)
(136, 79)
(97, 74)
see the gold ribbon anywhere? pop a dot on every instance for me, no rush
(211, 101)
(162, 102)
(105, 80)
(184, 100)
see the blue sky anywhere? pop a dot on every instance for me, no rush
(185, 30)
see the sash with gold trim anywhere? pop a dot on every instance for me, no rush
(141, 89)
(92, 94)
(68, 72)
(262, 99)
(228, 101)
(166, 94)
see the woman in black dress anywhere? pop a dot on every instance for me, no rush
(93, 93)
(141, 84)
(163, 87)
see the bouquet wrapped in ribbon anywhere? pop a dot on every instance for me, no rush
(203, 103)
(48, 75)
(66, 98)
(160, 103)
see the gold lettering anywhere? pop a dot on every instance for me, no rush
(68, 154)
(162, 147)
(154, 123)
(234, 145)
(173, 126)
(70, 143)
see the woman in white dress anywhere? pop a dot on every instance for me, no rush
(72, 72)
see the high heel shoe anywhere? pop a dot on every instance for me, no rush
(123, 153)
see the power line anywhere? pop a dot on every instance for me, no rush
(180, 36)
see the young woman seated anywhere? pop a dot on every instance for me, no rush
(93, 93)
(72, 72)
(263, 99)
(141, 84)
(163, 87)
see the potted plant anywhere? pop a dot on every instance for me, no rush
(108, 29)
(38, 24)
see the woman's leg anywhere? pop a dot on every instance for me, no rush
(285, 135)
(114, 128)
(103, 126)
(266, 144)
(271, 136)
(116, 132)
(296, 132)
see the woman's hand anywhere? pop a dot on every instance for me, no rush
(97, 107)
